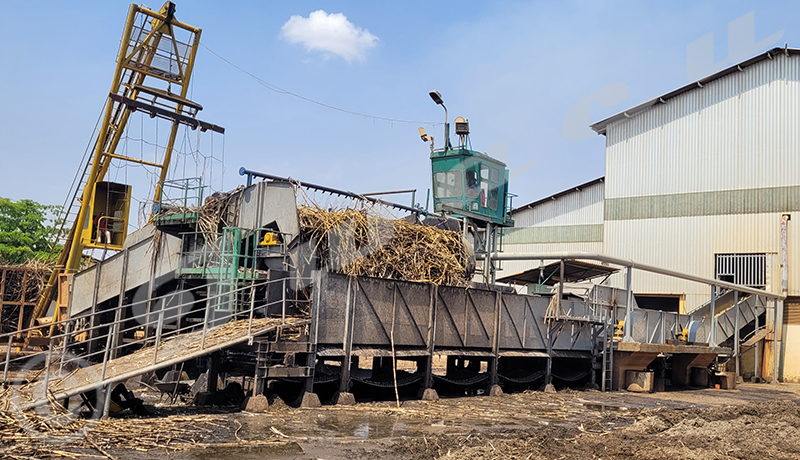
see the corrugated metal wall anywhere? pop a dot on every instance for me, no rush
(708, 172)
(737, 132)
(557, 225)
(577, 208)
(688, 244)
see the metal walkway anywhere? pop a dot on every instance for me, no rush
(65, 374)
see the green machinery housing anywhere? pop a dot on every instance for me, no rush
(468, 183)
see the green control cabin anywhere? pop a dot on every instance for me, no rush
(468, 183)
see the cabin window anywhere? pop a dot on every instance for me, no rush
(448, 184)
(484, 192)
(472, 184)
(495, 175)
(493, 195)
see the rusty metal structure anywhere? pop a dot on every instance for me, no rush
(246, 296)
(19, 291)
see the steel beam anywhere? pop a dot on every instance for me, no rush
(632, 264)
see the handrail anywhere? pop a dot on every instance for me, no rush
(57, 354)
(145, 301)
(251, 174)
(639, 266)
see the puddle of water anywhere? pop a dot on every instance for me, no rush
(245, 452)
(604, 407)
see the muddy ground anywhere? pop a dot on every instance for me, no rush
(756, 421)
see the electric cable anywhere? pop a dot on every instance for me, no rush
(280, 90)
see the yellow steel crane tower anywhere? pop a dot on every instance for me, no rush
(154, 66)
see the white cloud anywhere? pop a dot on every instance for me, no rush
(330, 33)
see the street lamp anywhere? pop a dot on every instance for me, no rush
(437, 98)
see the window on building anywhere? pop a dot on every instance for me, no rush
(746, 269)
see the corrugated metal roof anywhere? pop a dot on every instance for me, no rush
(600, 126)
(575, 271)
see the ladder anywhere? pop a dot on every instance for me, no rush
(608, 350)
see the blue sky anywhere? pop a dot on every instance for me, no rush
(515, 69)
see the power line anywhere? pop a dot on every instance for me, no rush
(280, 90)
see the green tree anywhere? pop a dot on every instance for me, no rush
(25, 230)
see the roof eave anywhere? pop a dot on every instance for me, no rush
(600, 126)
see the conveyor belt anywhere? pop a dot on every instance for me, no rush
(171, 351)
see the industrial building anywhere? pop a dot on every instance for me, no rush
(703, 180)
(313, 294)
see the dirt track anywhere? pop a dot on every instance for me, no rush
(755, 422)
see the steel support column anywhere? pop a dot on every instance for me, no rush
(713, 335)
(775, 324)
(736, 330)
(627, 336)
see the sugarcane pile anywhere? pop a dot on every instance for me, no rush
(357, 242)
(215, 212)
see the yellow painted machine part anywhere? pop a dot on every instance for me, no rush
(90, 234)
(113, 127)
(270, 239)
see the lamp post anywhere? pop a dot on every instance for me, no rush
(437, 98)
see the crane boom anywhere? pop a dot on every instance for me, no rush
(154, 67)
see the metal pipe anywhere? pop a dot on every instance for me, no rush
(428, 201)
(47, 366)
(107, 402)
(605, 349)
(781, 343)
(736, 330)
(283, 301)
(713, 335)
(252, 307)
(784, 254)
(627, 336)
(65, 344)
(775, 342)
(487, 263)
(250, 174)
(632, 264)
(611, 344)
(392, 192)
(560, 287)
(111, 333)
(159, 331)
(757, 370)
(205, 325)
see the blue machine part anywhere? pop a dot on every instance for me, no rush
(697, 332)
